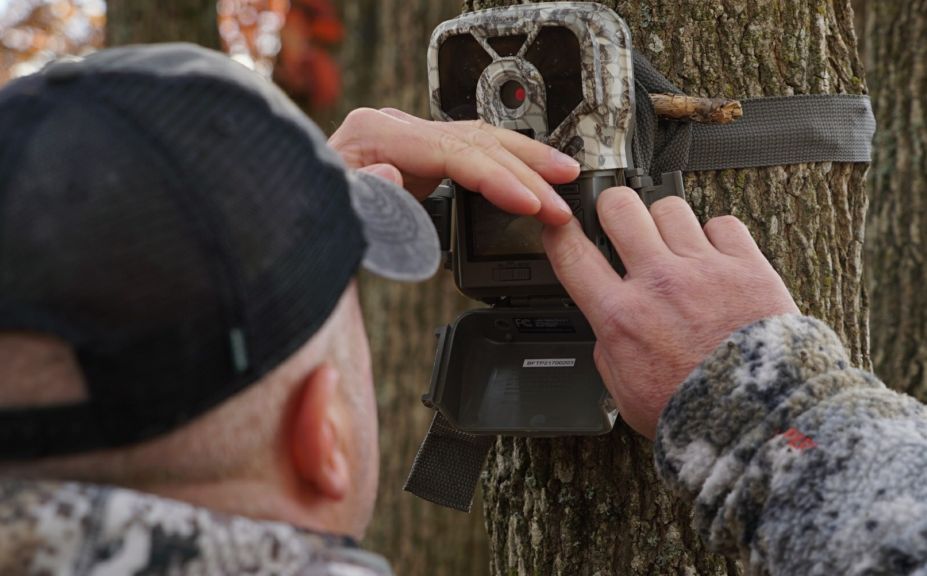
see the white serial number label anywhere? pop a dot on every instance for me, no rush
(549, 363)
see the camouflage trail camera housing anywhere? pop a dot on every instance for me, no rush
(573, 60)
(561, 73)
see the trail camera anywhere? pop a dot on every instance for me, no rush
(561, 73)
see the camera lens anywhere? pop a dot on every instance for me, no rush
(513, 94)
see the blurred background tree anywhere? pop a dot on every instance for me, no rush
(895, 54)
(139, 21)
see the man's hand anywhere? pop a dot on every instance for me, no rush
(511, 170)
(686, 290)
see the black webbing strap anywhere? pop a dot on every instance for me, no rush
(448, 465)
(772, 132)
(775, 131)
(787, 130)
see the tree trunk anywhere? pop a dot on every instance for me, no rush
(896, 56)
(384, 65)
(146, 21)
(595, 506)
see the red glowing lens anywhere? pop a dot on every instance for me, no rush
(513, 94)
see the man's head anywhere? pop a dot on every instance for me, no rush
(176, 251)
(306, 432)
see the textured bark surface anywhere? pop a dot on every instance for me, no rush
(144, 21)
(896, 57)
(384, 65)
(595, 506)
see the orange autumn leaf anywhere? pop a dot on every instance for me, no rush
(306, 66)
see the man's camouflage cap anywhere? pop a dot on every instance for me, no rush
(177, 221)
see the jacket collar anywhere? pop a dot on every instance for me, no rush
(68, 528)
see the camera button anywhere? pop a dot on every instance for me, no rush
(511, 274)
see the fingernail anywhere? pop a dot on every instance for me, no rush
(561, 204)
(527, 193)
(563, 160)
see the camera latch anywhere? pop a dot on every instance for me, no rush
(670, 185)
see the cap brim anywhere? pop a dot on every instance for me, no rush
(402, 243)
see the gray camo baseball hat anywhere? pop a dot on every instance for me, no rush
(403, 244)
(179, 222)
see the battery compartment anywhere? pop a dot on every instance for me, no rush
(526, 372)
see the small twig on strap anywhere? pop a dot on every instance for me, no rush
(704, 110)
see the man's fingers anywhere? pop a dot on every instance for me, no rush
(533, 163)
(372, 137)
(587, 276)
(552, 208)
(731, 236)
(552, 165)
(630, 227)
(476, 170)
(537, 164)
(679, 226)
(385, 171)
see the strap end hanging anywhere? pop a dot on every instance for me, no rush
(448, 465)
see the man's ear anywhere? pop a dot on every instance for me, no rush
(316, 438)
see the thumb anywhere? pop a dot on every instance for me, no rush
(385, 171)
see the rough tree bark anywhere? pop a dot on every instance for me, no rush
(595, 506)
(896, 57)
(144, 21)
(384, 65)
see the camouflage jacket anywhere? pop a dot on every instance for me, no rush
(795, 461)
(73, 529)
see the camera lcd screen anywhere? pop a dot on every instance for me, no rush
(497, 235)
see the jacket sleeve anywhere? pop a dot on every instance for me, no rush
(795, 461)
